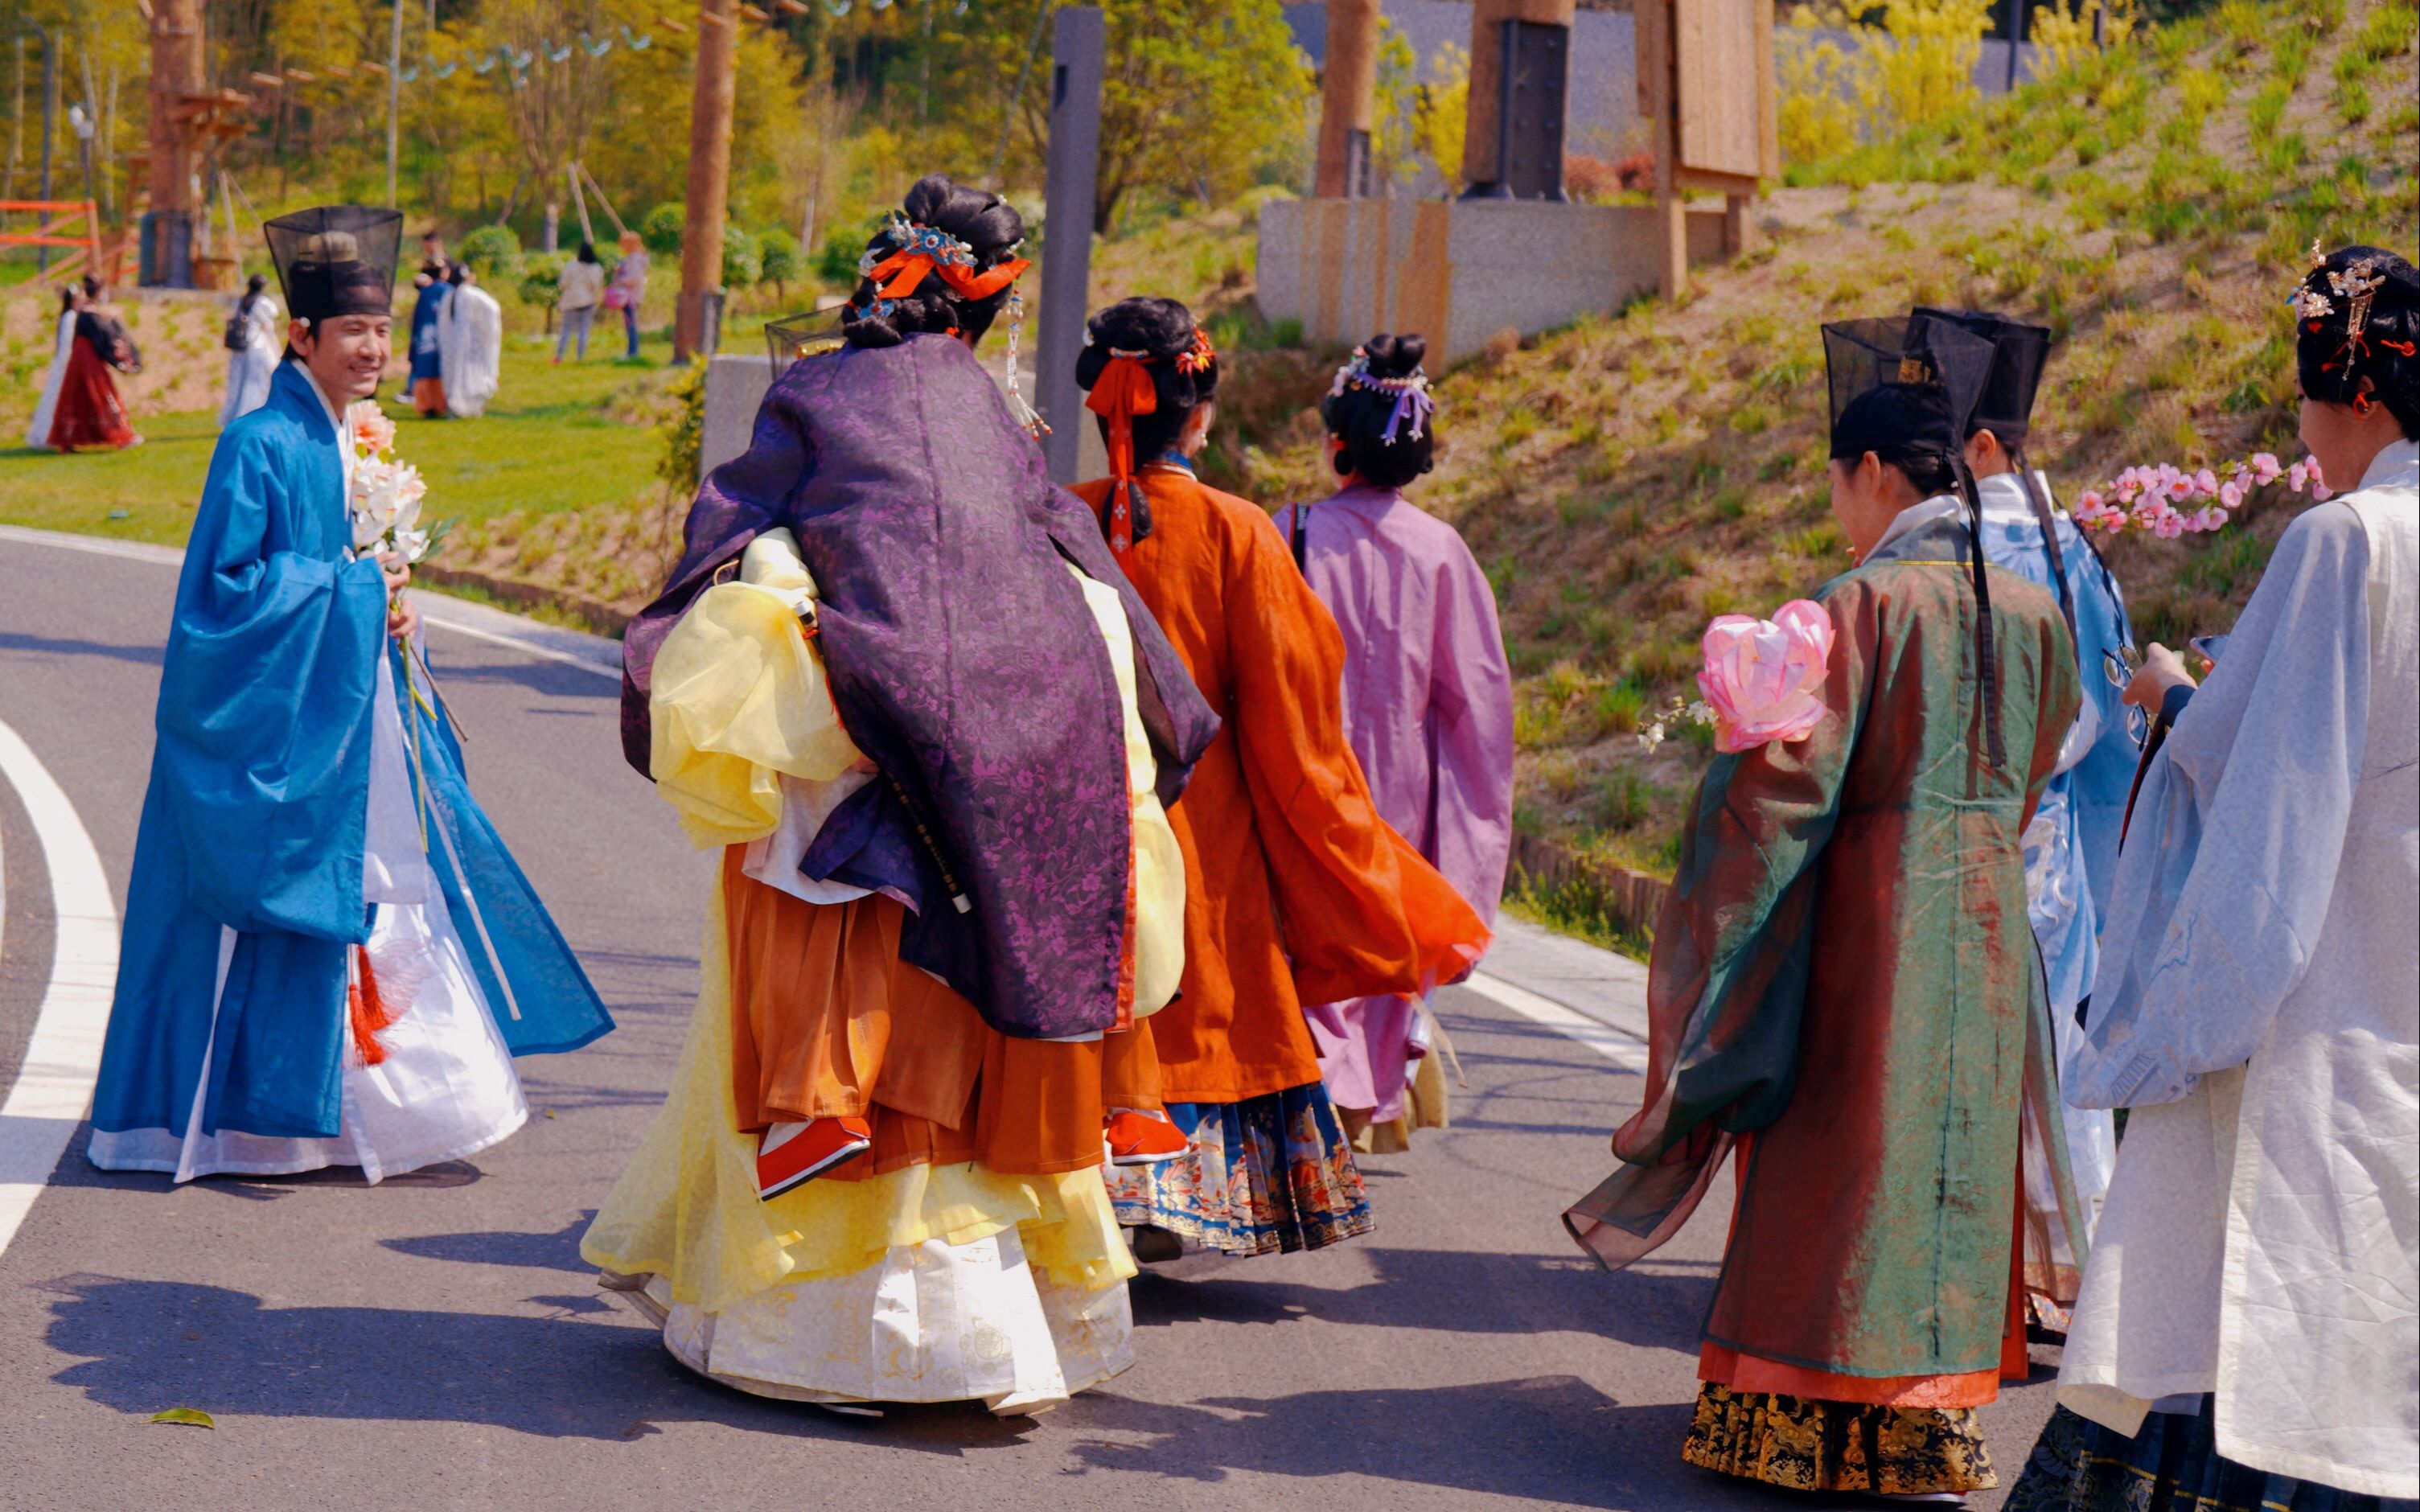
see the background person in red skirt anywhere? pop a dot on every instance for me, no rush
(89, 413)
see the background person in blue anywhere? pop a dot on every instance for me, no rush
(427, 379)
(329, 957)
(2072, 844)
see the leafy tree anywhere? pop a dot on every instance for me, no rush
(493, 251)
(781, 263)
(1201, 97)
(743, 258)
(661, 231)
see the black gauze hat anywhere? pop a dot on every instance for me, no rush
(2019, 354)
(336, 259)
(1896, 388)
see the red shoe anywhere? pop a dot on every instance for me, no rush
(792, 1154)
(1138, 1138)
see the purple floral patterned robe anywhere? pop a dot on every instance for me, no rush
(964, 663)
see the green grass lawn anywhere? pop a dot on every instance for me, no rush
(554, 439)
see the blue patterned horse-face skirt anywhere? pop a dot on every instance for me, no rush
(1266, 1175)
(2171, 1465)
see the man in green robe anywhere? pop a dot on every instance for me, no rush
(1845, 985)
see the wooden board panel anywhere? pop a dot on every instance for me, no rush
(1721, 85)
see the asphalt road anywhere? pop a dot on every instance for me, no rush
(435, 1341)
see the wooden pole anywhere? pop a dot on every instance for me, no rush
(1347, 94)
(394, 100)
(1654, 22)
(697, 320)
(1080, 53)
(176, 72)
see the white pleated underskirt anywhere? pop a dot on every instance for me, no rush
(929, 1322)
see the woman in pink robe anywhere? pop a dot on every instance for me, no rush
(1428, 700)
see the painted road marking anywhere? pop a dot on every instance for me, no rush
(54, 1082)
(1627, 1051)
(435, 608)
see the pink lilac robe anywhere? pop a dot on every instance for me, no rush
(1428, 711)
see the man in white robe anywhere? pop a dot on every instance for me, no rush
(471, 345)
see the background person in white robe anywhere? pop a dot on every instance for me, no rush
(261, 326)
(2249, 1328)
(471, 345)
(37, 433)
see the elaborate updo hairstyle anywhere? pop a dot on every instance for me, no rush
(1380, 410)
(1159, 336)
(972, 233)
(2357, 316)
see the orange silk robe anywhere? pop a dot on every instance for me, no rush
(1295, 889)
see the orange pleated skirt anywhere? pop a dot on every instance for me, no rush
(828, 1022)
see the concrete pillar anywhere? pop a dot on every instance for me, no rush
(696, 317)
(1347, 98)
(1482, 127)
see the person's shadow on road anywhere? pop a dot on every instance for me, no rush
(151, 1345)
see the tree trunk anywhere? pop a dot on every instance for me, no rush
(709, 175)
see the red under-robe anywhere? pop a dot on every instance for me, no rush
(1295, 889)
(89, 412)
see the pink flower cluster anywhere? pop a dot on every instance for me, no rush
(2169, 502)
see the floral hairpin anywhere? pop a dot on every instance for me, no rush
(2307, 302)
(910, 239)
(1413, 400)
(1197, 357)
(2359, 285)
(874, 308)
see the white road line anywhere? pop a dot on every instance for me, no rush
(436, 610)
(54, 1082)
(1626, 1052)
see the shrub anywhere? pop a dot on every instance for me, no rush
(780, 262)
(541, 280)
(493, 252)
(743, 258)
(661, 229)
(2063, 32)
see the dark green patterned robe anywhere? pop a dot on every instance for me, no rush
(1844, 967)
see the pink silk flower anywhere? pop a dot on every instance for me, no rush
(1764, 677)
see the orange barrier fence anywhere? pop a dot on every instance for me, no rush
(59, 214)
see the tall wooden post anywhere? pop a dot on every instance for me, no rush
(1347, 99)
(1653, 21)
(1485, 123)
(697, 319)
(176, 72)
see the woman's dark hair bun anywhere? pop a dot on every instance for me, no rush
(1162, 330)
(1360, 418)
(1395, 356)
(2331, 362)
(989, 225)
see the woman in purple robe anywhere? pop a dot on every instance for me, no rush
(1428, 704)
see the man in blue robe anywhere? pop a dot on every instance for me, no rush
(427, 328)
(2071, 843)
(330, 958)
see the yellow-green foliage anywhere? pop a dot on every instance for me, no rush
(2063, 31)
(1914, 64)
(1442, 111)
(1819, 93)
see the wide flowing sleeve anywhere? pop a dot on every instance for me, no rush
(1470, 737)
(1361, 912)
(2231, 862)
(264, 715)
(1728, 980)
(737, 501)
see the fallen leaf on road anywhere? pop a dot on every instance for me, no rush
(549, 1112)
(190, 1417)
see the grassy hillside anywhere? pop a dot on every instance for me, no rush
(1628, 479)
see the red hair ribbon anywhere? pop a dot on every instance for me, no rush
(366, 1011)
(2408, 349)
(1123, 391)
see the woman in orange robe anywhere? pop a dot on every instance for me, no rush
(1295, 891)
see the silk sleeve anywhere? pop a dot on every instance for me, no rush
(2230, 865)
(264, 715)
(1470, 737)
(1359, 911)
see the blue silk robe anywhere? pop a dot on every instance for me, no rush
(256, 818)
